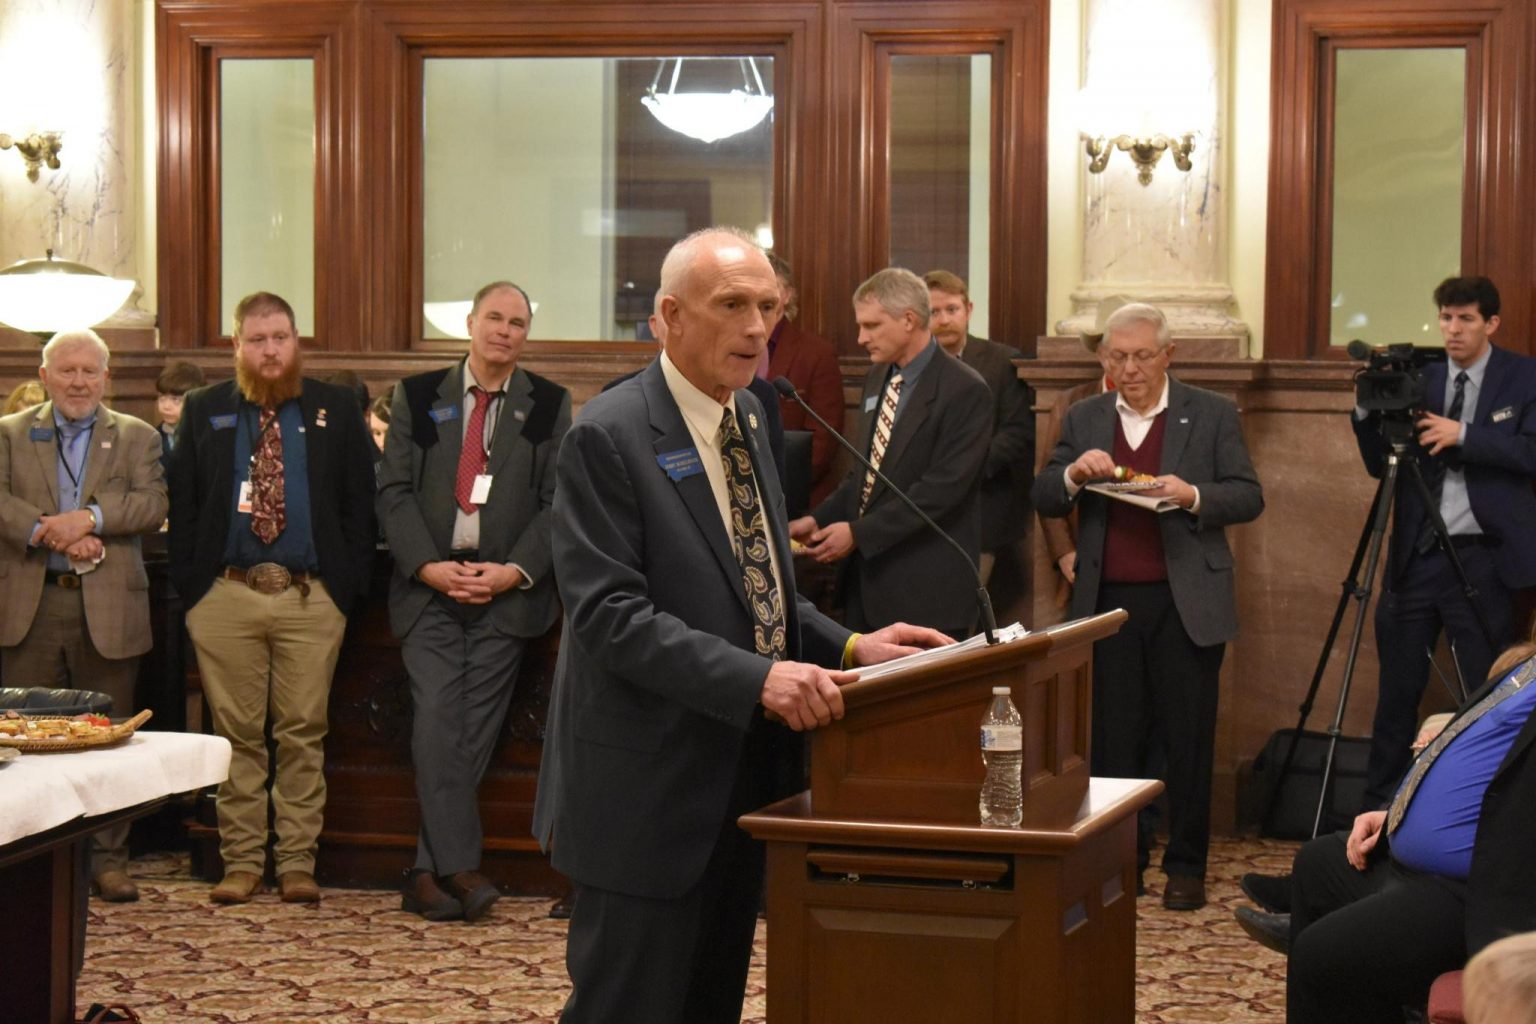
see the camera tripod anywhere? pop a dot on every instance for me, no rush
(1399, 437)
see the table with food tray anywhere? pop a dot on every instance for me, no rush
(52, 803)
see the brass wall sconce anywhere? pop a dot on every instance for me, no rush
(36, 149)
(1144, 152)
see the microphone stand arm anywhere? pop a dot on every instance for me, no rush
(983, 600)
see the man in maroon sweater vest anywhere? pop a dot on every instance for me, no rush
(1156, 680)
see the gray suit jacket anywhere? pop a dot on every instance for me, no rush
(658, 679)
(906, 572)
(1010, 464)
(1202, 445)
(123, 476)
(416, 483)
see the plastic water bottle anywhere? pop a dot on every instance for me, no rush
(1002, 751)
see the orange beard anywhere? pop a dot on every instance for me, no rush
(269, 394)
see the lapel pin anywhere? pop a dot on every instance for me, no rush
(1183, 419)
(752, 419)
(106, 444)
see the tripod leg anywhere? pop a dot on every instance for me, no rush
(1350, 588)
(1383, 513)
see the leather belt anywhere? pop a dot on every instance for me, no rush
(67, 580)
(270, 578)
(464, 555)
(1471, 540)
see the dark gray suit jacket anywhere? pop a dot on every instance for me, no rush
(906, 573)
(416, 482)
(658, 679)
(1010, 464)
(1202, 445)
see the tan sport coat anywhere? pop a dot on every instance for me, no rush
(123, 477)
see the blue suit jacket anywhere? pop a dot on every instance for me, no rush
(658, 679)
(1499, 459)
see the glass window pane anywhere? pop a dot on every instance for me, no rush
(1399, 154)
(552, 173)
(267, 183)
(941, 169)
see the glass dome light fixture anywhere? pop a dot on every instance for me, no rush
(50, 295)
(709, 116)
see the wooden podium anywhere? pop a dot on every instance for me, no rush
(887, 901)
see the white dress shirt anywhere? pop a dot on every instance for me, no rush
(702, 415)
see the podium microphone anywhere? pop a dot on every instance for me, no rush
(785, 387)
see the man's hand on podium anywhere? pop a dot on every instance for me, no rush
(896, 641)
(803, 696)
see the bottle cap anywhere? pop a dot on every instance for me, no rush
(1002, 691)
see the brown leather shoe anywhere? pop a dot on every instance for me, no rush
(115, 887)
(475, 893)
(422, 895)
(237, 887)
(1184, 892)
(298, 887)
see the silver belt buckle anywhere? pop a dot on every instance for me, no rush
(268, 578)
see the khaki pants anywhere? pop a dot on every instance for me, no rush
(57, 652)
(260, 655)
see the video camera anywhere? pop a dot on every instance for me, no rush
(1393, 381)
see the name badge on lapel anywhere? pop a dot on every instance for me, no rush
(443, 415)
(681, 464)
(40, 434)
(1500, 415)
(222, 422)
(869, 403)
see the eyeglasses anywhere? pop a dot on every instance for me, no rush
(1142, 358)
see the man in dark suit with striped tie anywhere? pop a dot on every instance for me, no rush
(1477, 451)
(924, 421)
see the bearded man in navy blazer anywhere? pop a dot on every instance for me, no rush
(1157, 679)
(1477, 452)
(684, 645)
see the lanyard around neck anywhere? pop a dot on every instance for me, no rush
(74, 478)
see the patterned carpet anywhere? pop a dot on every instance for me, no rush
(174, 957)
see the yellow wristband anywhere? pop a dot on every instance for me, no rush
(853, 638)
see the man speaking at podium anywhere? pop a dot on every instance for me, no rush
(1171, 570)
(683, 644)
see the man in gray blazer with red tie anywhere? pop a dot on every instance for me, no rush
(684, 645)
(1156, 680)
(465, 489)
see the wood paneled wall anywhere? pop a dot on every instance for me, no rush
(1499, 213)
(831, 208)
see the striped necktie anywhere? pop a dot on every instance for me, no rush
(885, 422)
(1512, 685)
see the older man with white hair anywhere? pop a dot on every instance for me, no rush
(79, 484)
(1169, 567)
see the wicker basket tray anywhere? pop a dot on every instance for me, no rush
(104, 738)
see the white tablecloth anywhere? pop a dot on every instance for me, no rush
(42, 791)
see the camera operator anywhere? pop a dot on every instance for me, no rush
(1477, 452)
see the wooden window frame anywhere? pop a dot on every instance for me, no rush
(829, 203)
(1497, 212)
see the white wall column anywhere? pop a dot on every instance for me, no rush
(73, 66)
(1150, 69)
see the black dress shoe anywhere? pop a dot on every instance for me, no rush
(1272, 931)
(1184, 892)
(422, 895)
(561, 909)
(1272, 892)
(474, 891)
